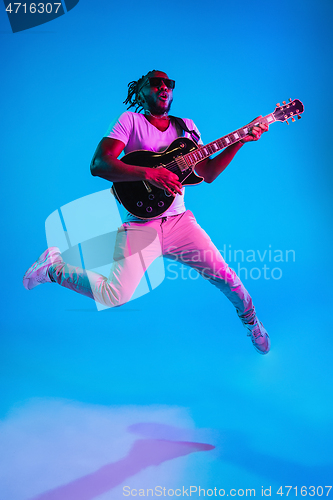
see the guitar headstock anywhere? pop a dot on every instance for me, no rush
(288, 110)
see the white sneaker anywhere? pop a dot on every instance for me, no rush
(260, 338)
(37, 274)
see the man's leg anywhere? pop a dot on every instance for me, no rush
(137, 246)
(189, 244)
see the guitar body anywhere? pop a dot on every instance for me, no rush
(144, 200)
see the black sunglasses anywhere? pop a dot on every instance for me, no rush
(156, 81)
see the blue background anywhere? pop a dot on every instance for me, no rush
(180, 348)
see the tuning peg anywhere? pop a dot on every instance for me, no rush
(287, 122)
(283, 102)
(293, 119)
(299, 117)
(289, 99)
(278, 105)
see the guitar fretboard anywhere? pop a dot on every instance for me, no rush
(203, 152)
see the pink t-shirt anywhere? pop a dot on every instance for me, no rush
(136, 132)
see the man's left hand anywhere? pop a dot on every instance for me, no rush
(255, 131)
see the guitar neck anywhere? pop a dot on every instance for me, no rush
(213, 147)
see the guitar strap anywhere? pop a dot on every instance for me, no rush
(195, 136)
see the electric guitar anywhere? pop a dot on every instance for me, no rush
(146, 201)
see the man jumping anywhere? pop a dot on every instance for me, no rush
(175, 234)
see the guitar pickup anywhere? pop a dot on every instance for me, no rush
(181, 164)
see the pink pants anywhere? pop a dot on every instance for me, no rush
(138, 244)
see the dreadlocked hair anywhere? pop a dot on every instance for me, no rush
(134, 88)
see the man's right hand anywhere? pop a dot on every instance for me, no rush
(164, 179)
(105, 164)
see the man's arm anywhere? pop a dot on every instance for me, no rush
(105, 164)
(210, 169)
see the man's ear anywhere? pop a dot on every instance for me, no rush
(141, 98)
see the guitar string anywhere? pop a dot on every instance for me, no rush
(173, 165)
(221, 143)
